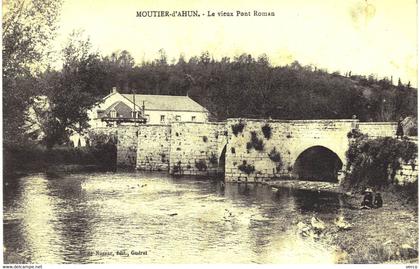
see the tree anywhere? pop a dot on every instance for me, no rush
(75, 91)
(28, 28)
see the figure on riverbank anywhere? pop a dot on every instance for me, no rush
(400, 129)
(378, 200)
(367, 202)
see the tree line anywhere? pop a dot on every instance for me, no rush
(242, 86)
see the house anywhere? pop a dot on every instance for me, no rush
(122, 109)
(134, 109)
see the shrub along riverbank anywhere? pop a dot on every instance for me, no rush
(374, 163)
(390, 233)
(25, 158)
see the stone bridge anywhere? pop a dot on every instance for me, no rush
(251, 150)
(307, 149)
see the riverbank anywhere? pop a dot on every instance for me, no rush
(385, 235)
(24, 159)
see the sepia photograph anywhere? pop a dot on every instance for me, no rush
(224, 132)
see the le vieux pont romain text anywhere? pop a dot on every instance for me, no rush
(208, 13)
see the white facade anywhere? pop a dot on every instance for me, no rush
(165, 117)
(158, 109)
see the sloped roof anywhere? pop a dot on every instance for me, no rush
(166, 102)
(122, 110)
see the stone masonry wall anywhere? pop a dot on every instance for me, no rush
(408, 173)
(288, 138)
(153, 148)
(378, 129)
(127, 146)
(196, 147)
(126, 142)
(192, 148)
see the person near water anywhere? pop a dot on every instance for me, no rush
(378, 200)
(400, 129)
(367, 199)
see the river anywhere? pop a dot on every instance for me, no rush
(137, 217)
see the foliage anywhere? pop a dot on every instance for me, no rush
(28, 27)
(412, 131)
(163, 157)
(374, 162)
(255, 142)
(104, 148)
(102, 138)
(177, 168)
(201, 165)
(242, 86)
(266, 129)
(20, 157)
(246, 168)
(354, 133)
(245, 86)
(238, 128)
(72, 91)
(213, 159)
(274, 155)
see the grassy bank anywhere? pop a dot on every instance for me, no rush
(380, 235)
(27, 158)
(376, 236)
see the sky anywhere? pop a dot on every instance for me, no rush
(363, 36)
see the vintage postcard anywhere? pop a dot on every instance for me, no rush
(223, 132)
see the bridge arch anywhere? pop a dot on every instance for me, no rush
(318, 163)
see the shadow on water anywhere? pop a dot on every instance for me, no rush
(210, 220)
(317, 201)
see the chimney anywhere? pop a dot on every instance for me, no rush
(114, 90)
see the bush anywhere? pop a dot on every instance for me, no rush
(266, 129)
(33, 157)
(412, 131)
(374, 162)
(213, 159)
(255, 142)
(177, 168)
(354, 133)
(238, 128)
(246, 168)
(201, 165)
(274, 155)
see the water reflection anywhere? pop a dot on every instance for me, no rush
(87, 218)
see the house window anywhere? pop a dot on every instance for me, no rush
(113, 113)
(162, 118)
(177, 118)
(193, 118)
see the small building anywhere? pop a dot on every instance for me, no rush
(134, 109)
